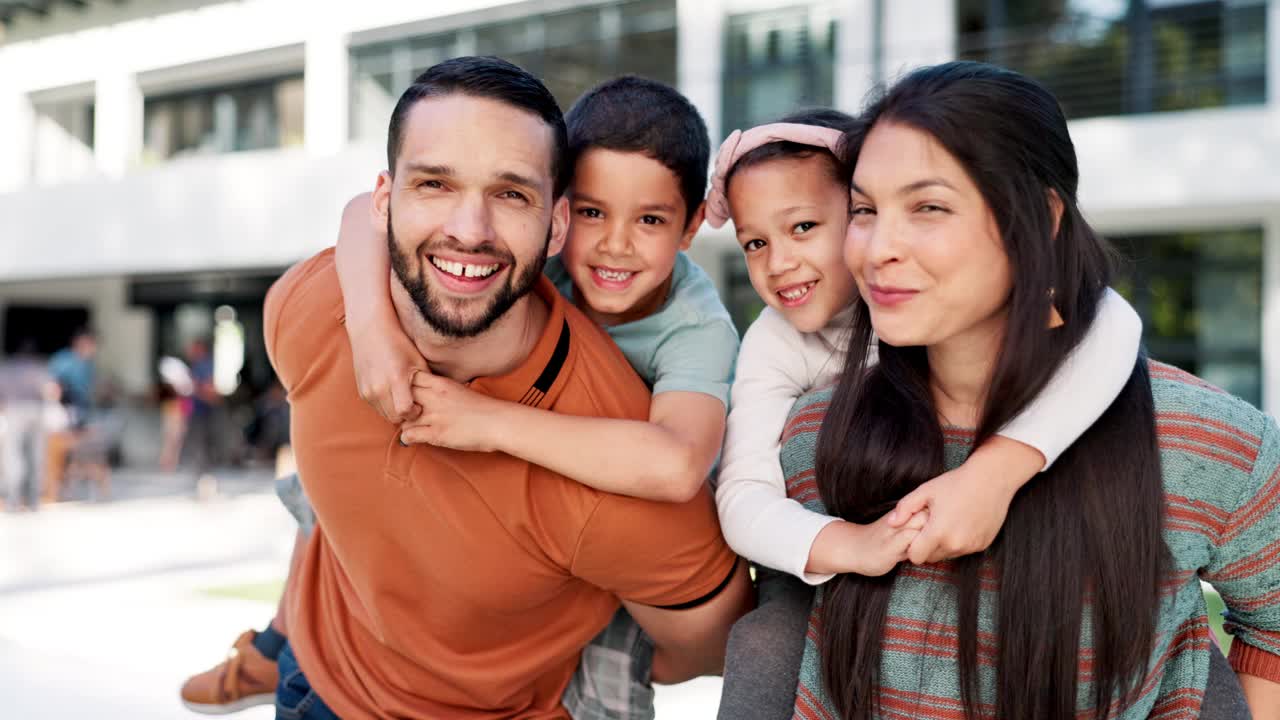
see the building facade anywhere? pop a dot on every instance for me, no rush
(165, 159)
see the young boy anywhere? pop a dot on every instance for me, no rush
(640, 153)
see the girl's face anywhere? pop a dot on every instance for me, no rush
(791, 216)
(923, 245)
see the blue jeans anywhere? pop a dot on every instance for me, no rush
(295, 700)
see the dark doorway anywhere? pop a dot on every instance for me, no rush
(47, 329)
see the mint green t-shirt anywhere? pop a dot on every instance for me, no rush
(690, 344)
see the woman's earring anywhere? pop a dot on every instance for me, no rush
(1055, 318)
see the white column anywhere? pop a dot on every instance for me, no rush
(855, 53)
(917, 32)
(17, 125)
(1273, 54)
(326, 92)
(700, 59)
(117, 126)
(1271, 315)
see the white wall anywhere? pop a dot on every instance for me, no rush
(1179, 166)
(245, 210)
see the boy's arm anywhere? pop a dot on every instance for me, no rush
(384, 357)
(667, 458)
(968, 504)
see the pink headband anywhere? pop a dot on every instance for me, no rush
(740, 143)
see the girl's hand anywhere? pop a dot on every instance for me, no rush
(871, 550)
(967, 506)
(453, 416)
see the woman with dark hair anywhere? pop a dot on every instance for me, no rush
(978, 275)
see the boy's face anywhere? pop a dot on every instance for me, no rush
(628, 221)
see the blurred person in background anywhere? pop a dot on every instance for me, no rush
(24, 385)
(205, 426)
(74, 370)
(174, 394)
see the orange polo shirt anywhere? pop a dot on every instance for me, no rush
(448, 584)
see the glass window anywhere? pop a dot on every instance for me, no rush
(1200, 298)
(739, 296)
(776, 62)
(1112, 57)
(571, 51)
(251, 116)
(62, 141)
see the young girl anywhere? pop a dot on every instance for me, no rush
(788, 194)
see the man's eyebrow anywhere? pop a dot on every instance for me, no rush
(518, 179)
(424, 169)
(660, 207)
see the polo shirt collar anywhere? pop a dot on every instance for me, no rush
(534, 382)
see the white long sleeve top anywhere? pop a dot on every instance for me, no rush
(777, 364)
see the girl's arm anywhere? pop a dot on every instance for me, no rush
(758, 519)
(968, 505)
(384, 357)
(1086, 383)
(667, 458)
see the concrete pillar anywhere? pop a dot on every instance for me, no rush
(700, 59)
(1271, 314)
(326, 92)
(917, 32)
(1273, 54)
(855, 52)
(118, 125)
(17, 125)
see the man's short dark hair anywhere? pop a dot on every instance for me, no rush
(633, 114)
(485, 77)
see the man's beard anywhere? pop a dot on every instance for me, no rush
(454, 324)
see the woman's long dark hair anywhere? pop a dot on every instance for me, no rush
(1086, 533)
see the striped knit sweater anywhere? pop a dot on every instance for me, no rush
(1221, 466)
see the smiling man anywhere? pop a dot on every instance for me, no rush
(447, 584)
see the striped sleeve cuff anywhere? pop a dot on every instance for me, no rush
(1249, 660)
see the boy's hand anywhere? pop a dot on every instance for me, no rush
(385, 363)
(453, 416)
(967, 506)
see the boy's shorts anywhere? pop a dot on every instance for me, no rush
(289, 490)
(612, 679)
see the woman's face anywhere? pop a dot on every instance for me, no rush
(791, 217)
(923, 246)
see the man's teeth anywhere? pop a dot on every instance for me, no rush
(796, 293)
(614, 275)
(465, 270)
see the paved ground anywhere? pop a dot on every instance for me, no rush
(104, 608)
